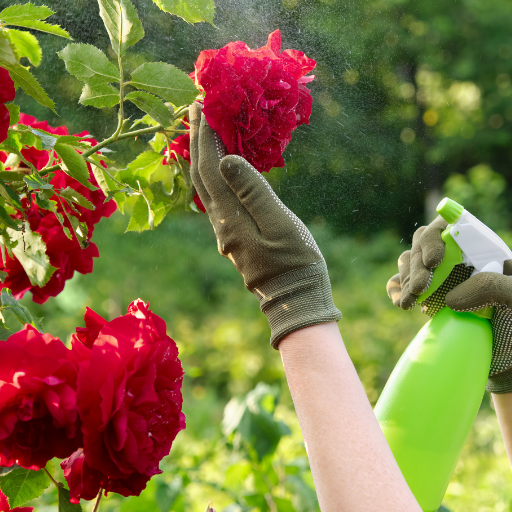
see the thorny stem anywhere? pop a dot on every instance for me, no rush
(98, 499)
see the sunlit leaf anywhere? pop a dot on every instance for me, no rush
(166, 81)
(72, 195)
(42, 26)
(31, 253)
(73, 164)
(192, 11)
(88, 64)
(24, 12)
(28, 83)
(26, 45)
(122, 23)
(36, 182)
(48, 140)
(7, 219)
(64, 504)
(99, 96)
(14, 112)
(142, 217)
(152, 106)
(6, 49)
(22, 485)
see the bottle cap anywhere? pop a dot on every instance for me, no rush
(450, 210)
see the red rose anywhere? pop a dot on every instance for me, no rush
(255, 98)
(38, 411)
(7, 93)
(64, 254)
(181, 144)
(4, 505)
(129, 401)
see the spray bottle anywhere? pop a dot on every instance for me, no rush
(433, 395)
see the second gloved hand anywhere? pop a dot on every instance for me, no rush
(268, 244)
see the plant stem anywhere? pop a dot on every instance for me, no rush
(121, 86)
(52, 479)
(98, 499)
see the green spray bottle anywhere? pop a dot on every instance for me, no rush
(433, 395)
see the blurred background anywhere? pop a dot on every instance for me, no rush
(412, 101)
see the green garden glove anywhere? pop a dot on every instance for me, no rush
(268, 244)
(460, 292)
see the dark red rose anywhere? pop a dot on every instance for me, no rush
(7, 93)
(255, 98)
(180, 145)
(4, 505)
(66, 255)
(129, 401)
(38, 413)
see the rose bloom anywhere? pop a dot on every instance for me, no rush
(255, 98)
(38, 414)
(64, 254)
(7, 93)
(4, 505)
(129, 401)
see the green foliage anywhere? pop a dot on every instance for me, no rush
(30, 251)
(99, 96)
(64, 505)
(122, 23)
(14, 112)
(73, 164)
(22, 485)
(152, 106)
(165, 81)
(26, 45)
(191, 11)
(72, 195)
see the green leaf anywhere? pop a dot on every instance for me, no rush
(122, 23)
(22, 485)
(14, 112)
(31, 253)
(72, 195)
(26, 45)
(48, 140)
(3, 470)
(99, 96)
(158, 142)
(192, 11)
(152, 106)
(28, 83)
(166, 81)
(35, 182)
(24, 13)
(7, 219)
(89, 64)
(6, 49)
(142, 216)
(73, 164)
(10, 195)
(167, 493)
(64, 504)
(141, 169)
(80, 230)
(42, 26)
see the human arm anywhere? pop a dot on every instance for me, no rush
(352, 465)
(282, 265)
(503, 406)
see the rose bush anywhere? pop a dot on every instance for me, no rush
(38, 415)
(4, 506)
(129, 402)
(64, 252)
(255, 98)
(7, 93)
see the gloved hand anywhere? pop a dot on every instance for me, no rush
(268, 244)
(460, 292)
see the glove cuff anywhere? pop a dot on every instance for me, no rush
(500, 383)
(297, 299)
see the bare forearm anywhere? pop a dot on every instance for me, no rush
(503, 406)
(352, 464)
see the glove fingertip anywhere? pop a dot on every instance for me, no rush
(394, 290)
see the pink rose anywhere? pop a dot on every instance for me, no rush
(7, 93)
(255, 98)
(38, 411)
(66, 255)
(129, 401)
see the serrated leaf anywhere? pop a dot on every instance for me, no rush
(29, 84)
(14, 112)
(24, 12)
(122, 23)
(88, 64)
(6, 49)
(26, 45)
(192, 11)
(12, 143)
(10, 195)
(166, 81)
(73, 164)
(72, 195)
(158, 142)
(99, 96)
(7, 219)
(64, 504)
(142, 216)
(80, 230)
(31, 253)
(152, 106)
(22, 485)
(35, 182)
(48, 140)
